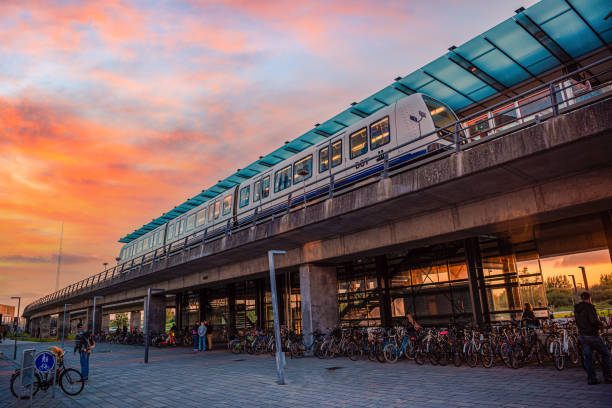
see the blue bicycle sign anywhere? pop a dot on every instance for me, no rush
(44, 361)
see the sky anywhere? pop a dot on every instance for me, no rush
(112, 113)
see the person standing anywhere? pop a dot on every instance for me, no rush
(209, 334)
(202, 337)
(195, 335)
(84, 344)
(588, 334)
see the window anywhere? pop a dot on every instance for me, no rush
(282, 179)
(217, 209)
(131, 251)
(538, 104)
(180, 227)
(190, 222)
(245, 193)
(201, 217)
(227, 204)
(379, 133)
(303, 166)
(263, 189)
(211, 211)
(441, 114)
(504, 116)
(359, 143)
(148, 243)
(324, 159)
(336, 153)
(139, 247)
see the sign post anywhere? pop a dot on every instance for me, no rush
(280, 366)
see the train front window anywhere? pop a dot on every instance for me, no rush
(227, 204)
(443, 118)
(245, 192)
(379, 133)
(282, 179)
(359, 143)
(324, 159)
(302, 169)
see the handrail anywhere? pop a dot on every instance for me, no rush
(382, 165)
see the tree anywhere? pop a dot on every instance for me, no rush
(558, 282)
(121, 319)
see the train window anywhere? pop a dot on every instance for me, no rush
(201, 217)
(359, 143)
(147, 244)
(261, 189)
(302, 166)
(324, 159)
(139, 247)
(217, 209)
(379, 133)
(505, 115)
(191, 222)
(245, 193)
(180, 227)
(282, 179)
(478, 127)
(211, 211)
(337, 153)
(171, 230)
(227, 204)
(536, 104)
(442, 116)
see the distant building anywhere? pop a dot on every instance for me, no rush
(7, 312)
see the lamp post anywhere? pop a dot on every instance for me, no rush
(16, 325)
(584, 278)
(64, 323)
(280, 370)
(575, 288)
(105, 265)
(146, 322)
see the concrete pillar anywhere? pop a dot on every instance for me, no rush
(203, 301)
(105, 322)
(157, 314)
(135, 320)
(45, 326)
(319, 296)
(478, 294)
(606, 219)
(90, 315)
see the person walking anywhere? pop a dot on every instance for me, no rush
(209, 334)
(84, 344)
(588, 334)
(195, 336)
(202, 337)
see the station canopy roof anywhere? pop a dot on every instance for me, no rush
(549, 35)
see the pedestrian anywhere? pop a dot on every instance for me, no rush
(195, 336)
(84, 344)
(588, 334)
(209, 335)
(202, 337)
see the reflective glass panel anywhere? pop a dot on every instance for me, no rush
(302, 169)
(282, 179)
(244, 196)
(379, 133)
(323, 159)
(227, 204)
(359, 143)
(337, 153)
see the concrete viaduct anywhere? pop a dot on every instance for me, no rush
(550, 182)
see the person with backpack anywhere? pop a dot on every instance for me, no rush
(84, 343)
(202, 337)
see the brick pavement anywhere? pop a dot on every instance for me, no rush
(180, 378)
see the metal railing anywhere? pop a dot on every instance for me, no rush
(385, 165)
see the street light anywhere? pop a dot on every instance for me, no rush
(280, 371)
(584, 278)
(575, 288)
(64, 323)
(105, 264)
(146, 322)
(16, 326)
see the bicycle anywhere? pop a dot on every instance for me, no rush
(70, 380)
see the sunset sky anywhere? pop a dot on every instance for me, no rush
(113, 112)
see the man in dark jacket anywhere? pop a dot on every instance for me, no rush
(588, 334)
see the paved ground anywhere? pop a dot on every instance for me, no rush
(180, 378)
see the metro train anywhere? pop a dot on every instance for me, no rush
(349, 154)
(352, 149)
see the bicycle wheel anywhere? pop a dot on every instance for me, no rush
(71, 381)
(352, 351)
(16, 388)
(518, 357)
(297, 350)
(540, 352)
(457, 356)
(380, 353)
(486, 354)
(390, 352)
(471, 356)
(572, 351)
(506, 354)
(558, 357)
(419, 356)
(444, 354)
(236, 347)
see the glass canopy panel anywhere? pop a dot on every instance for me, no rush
(441, 92)
(517, 43)
(452, 74)
(566, 28)
(594, 11)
